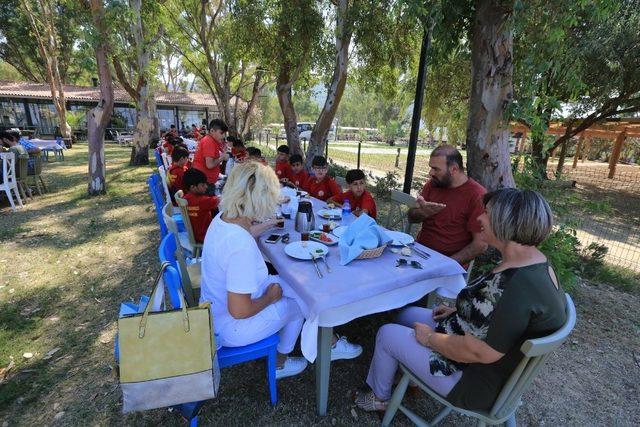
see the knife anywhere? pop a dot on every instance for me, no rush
(315, 264)
(420, 252)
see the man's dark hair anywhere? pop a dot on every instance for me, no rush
(354, 175)
(319, 162)
(295, 158)
(193, 176)
(172, 127)
(217, 124)
(254, 152)
(451, 153)
(179, 153)
(4, 134)
(283, 149)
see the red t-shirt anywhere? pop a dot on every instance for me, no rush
(298, 179)
(200, 207)
(450, 230)
(324, 189)
(363, 202)
(283, 169)
(207, 147)
(176, 174)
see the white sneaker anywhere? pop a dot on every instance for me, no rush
(343, 349)
(292, 366)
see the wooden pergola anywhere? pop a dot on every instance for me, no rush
(617, 130)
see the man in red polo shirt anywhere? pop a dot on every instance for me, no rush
(211, 153)
(448, 208)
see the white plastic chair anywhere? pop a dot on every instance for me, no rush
(165, 185)
(166, 161)
(535, 353)
(9, 179)
(398, 200)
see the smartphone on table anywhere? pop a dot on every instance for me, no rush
(273, 238)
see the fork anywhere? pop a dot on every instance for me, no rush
(326, 264)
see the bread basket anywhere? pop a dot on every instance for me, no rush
(372, 253)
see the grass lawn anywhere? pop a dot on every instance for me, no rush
(67, 261)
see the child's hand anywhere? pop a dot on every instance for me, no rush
(274, 293)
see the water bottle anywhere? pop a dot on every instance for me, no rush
(346, 212)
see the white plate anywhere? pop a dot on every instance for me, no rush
(296, 250)
(334, 239)
(330, 213)
(339, 231)
(399, 238)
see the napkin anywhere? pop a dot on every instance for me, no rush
(362, 234)
(292, 207)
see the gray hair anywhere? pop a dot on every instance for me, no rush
(521, 216)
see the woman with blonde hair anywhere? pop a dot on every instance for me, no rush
(246, 302)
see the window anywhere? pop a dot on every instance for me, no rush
(44, 117)
(189, 117)
(12, 114)
(165, 119)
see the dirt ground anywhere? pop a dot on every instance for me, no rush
(66, 262)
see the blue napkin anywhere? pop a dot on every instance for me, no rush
(362, 234)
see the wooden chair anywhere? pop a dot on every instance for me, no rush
(22, 170)
(535, 351)
(36, 174)
(397, 214)
(194, 247)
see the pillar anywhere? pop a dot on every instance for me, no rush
(615, 154)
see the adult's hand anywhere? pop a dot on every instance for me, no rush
(274, 292)
(442, 311)
(428, 208)
(423, 333)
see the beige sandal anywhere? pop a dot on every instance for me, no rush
(367, 401)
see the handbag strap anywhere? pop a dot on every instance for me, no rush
(159, 283)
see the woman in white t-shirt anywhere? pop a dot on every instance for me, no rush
(247, 303)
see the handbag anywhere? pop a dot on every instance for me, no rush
(167, 357)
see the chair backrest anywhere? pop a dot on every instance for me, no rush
(153, 182)
(162, 171)
(398, 200)
(536, 351)
(341, 182)
(22, 168)
(167, 215)
(158, 158)
(171, 279)
(166, 161)
(37, 163)
(8, 168)
(168, 251)
(184, 208)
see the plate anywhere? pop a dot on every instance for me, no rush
(296, 250)
(334, 239)
(330, 213)
(302, 193)
(399, 238)
(339, 231)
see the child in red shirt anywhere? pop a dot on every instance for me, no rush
(282, 162)
(239, 152)
(360, 199)
(297, 175)
(200, 206)
(321, 186)
(175, 176)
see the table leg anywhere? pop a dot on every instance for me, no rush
(323, 366)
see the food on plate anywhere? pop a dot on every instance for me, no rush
(323, 237)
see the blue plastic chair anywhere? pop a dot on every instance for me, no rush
(158, 157)
(189, 274)
(153, 182)
(230, 356)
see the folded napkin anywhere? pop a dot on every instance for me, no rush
(292, 207)
(362, 234)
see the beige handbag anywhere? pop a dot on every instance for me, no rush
(167, 357)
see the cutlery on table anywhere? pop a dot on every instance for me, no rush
(315, 264)
(420, 252)
(326, 264)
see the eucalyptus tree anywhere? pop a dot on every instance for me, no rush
(135, 68)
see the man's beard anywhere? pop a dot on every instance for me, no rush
(444, 182)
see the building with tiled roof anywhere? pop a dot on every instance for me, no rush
(28, 105)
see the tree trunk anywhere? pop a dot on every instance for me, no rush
(99, 116)
(319, 134)
(283, 90)
(145, 128)
(488, 159)
(563, 155)
(255, 93)
(539, 154)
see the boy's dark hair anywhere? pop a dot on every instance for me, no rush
(238, 143)
(179, 153)
(193, 176)
(217, 124)
(295, 158)
(172, 127)
(354, 175)
(181, 145)
(283, 149)
(254, 152)
(319, 161)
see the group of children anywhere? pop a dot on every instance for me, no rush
(289, 169)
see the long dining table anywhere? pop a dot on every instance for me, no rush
(357, 289)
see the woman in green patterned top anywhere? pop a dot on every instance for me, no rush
(467, 352)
